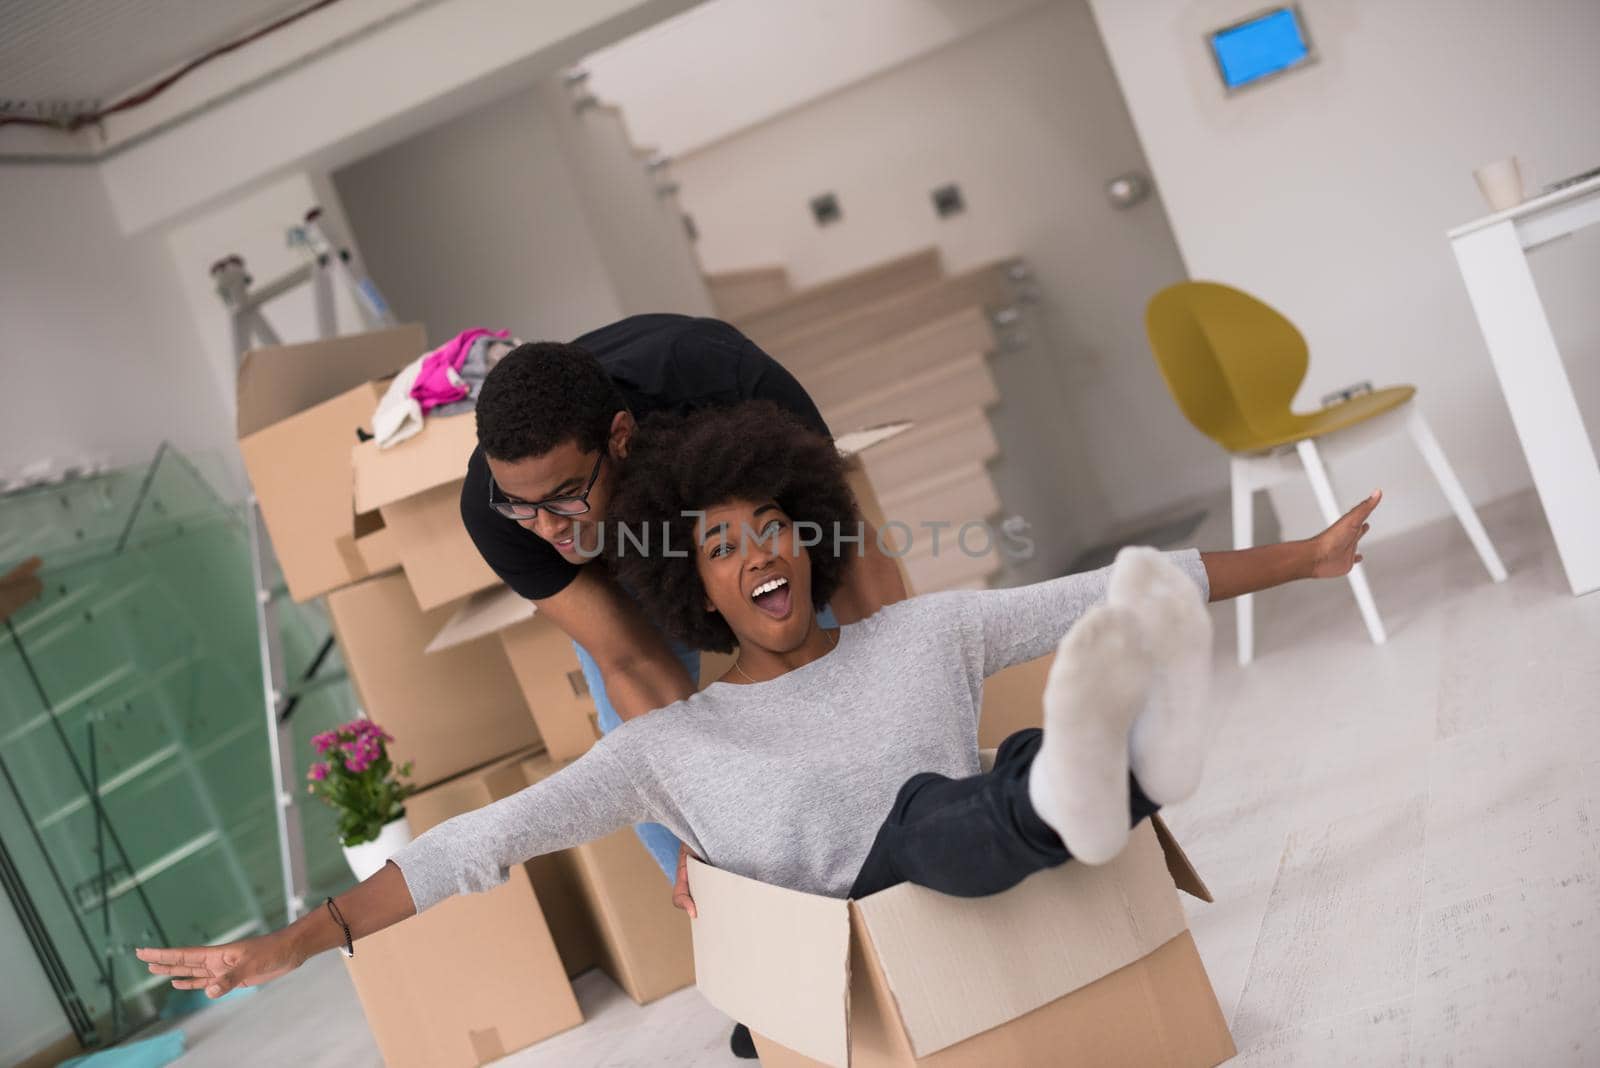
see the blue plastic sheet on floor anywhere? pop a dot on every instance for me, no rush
(183, 1002)
(146, 1053)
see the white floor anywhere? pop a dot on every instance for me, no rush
(1402, 840)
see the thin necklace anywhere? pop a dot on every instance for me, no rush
(833, 643)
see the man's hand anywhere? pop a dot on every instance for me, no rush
(220, 969)
(1333, 552)
(680, 886)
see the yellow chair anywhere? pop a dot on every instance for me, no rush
(1234, 364)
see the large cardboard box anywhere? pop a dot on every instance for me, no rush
(474, 977)
(541, 657)
(1077, 964)
(415, 487)
(1013, 700)
(626, 921)
(299, 409)
(450, 710)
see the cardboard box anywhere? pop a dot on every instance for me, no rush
(1013, 700)
(416, 487)
(637, 936)
(541, 657)
(375, 545)
(449, 711)
(299, 407)
(1091, 965)
(474, 977)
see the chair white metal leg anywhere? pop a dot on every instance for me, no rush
(1243, 535)
(1323, 488)
(1428, 445)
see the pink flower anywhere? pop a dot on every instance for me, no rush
(366, 728)
(318, 772)
(356, 765)
(324, 741)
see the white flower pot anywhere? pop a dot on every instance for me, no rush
(367, 858)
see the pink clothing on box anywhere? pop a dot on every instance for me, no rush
(437, 382)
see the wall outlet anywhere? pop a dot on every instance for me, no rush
(948, 201)
(825, 209)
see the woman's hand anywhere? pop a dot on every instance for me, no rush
(1333, 552)
(680, 886)
(220, 969)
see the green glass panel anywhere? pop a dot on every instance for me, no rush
(138, 669)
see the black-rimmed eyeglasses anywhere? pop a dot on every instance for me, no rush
(574, 504)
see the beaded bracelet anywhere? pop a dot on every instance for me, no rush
(349, 947)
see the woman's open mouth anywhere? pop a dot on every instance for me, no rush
(773, 597)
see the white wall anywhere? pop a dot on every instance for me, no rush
(1327, 193)
(347, 97)
(730, 64)
(478, 222)
(1026, 116)
(254, 226)
(640, 236)
(101, 356)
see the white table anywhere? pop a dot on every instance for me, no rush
(1491, 255)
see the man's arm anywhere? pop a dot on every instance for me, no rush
(872, 580)
(640, 671)
(1328, 555)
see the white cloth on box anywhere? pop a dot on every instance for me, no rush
(785, 781)
(398, 416)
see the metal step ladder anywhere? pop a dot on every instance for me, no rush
(328, 262)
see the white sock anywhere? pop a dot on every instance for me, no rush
(1170, 735)
(1079, 780)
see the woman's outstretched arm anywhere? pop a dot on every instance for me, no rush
(381, 900)
(1328, 555)
(468, 853)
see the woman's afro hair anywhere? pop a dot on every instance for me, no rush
(752, 451)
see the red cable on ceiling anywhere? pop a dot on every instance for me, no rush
(133, 100)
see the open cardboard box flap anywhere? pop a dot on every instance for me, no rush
(856, 442)
(278, 381)
(299, 408)
(777, 960)
(482, 614)
(437, 456)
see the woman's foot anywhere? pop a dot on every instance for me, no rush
(1097, 686)
(1170, 735)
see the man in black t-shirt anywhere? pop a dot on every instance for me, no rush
(554, 423)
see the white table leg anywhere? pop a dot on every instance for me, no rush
(1543, 408)
(1243, 538)
(1445, 475)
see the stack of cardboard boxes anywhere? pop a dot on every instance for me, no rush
(481, 695)
(1076, 965)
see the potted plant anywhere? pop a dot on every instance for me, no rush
(357, 778)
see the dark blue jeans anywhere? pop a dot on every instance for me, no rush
(971, 837)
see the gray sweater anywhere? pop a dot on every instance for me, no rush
(785, 781)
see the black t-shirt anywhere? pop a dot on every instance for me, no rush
(659, 363)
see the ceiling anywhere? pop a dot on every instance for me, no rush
(56, 50)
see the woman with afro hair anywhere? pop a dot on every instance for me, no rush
(841, 761)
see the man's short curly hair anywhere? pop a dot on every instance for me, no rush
(542, 394)
(752, 451)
